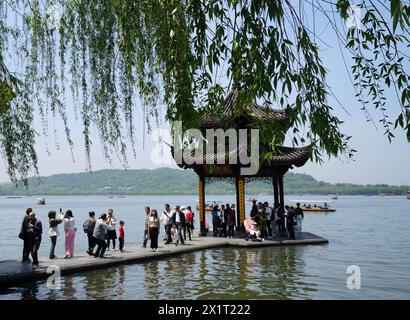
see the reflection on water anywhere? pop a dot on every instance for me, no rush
(227, 273)
(369, 232)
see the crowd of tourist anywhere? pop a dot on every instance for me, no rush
(100, 233)
(178, 225)
(266, 222)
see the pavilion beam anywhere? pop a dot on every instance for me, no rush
(275, 191)
(201, 193)
(237, 218)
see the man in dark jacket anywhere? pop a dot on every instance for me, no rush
(23, 236)
(34, 232)
(178, 219)
(291, 219)
(90, 224)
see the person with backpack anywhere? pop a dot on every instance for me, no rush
(54, 221)
(88, 227)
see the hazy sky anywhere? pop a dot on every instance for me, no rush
(376, 161)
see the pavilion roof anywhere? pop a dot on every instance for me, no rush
(252, 111)
(282, 157)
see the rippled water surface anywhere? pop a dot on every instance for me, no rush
(369, 232)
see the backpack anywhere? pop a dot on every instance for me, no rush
(86, 225)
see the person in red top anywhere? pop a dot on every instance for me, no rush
(189, 221)
(121, 236)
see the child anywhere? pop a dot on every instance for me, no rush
(121, 235)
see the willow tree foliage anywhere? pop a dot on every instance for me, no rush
(183, 57)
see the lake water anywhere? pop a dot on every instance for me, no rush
(368, 232)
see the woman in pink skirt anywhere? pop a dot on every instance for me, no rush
(69, 228)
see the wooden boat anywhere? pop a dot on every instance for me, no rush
(210, 206)
(318, 209)
(315, 208)
(41, 201)
(335, 198)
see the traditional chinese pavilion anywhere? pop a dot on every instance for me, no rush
(283, 158)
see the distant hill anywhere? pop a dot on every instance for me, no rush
(179, 182)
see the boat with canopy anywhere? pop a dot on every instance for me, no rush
(315, 205)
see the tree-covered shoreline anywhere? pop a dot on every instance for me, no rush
(177, 182)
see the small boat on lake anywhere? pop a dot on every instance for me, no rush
(41, 201)
(408, 195)
(313, 205)
(210, 206)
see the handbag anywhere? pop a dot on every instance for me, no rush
(21, 235)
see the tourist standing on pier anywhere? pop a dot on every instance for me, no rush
(23, 236)
(88, 227)
(121, 236)
(226, 213)
(166, 221)
(254, 210)
(111, 232)
(268, 213)
(189, 222)
(178, 219)
(69, 228)
(99, 233)
(53, 221)
(146, 233)
(215, 220)
(299, 217)
(290, 222)
(34, 232)
(153, 225)
(230, 221)
(262, 220)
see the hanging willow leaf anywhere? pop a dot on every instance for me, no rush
(178, 59)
